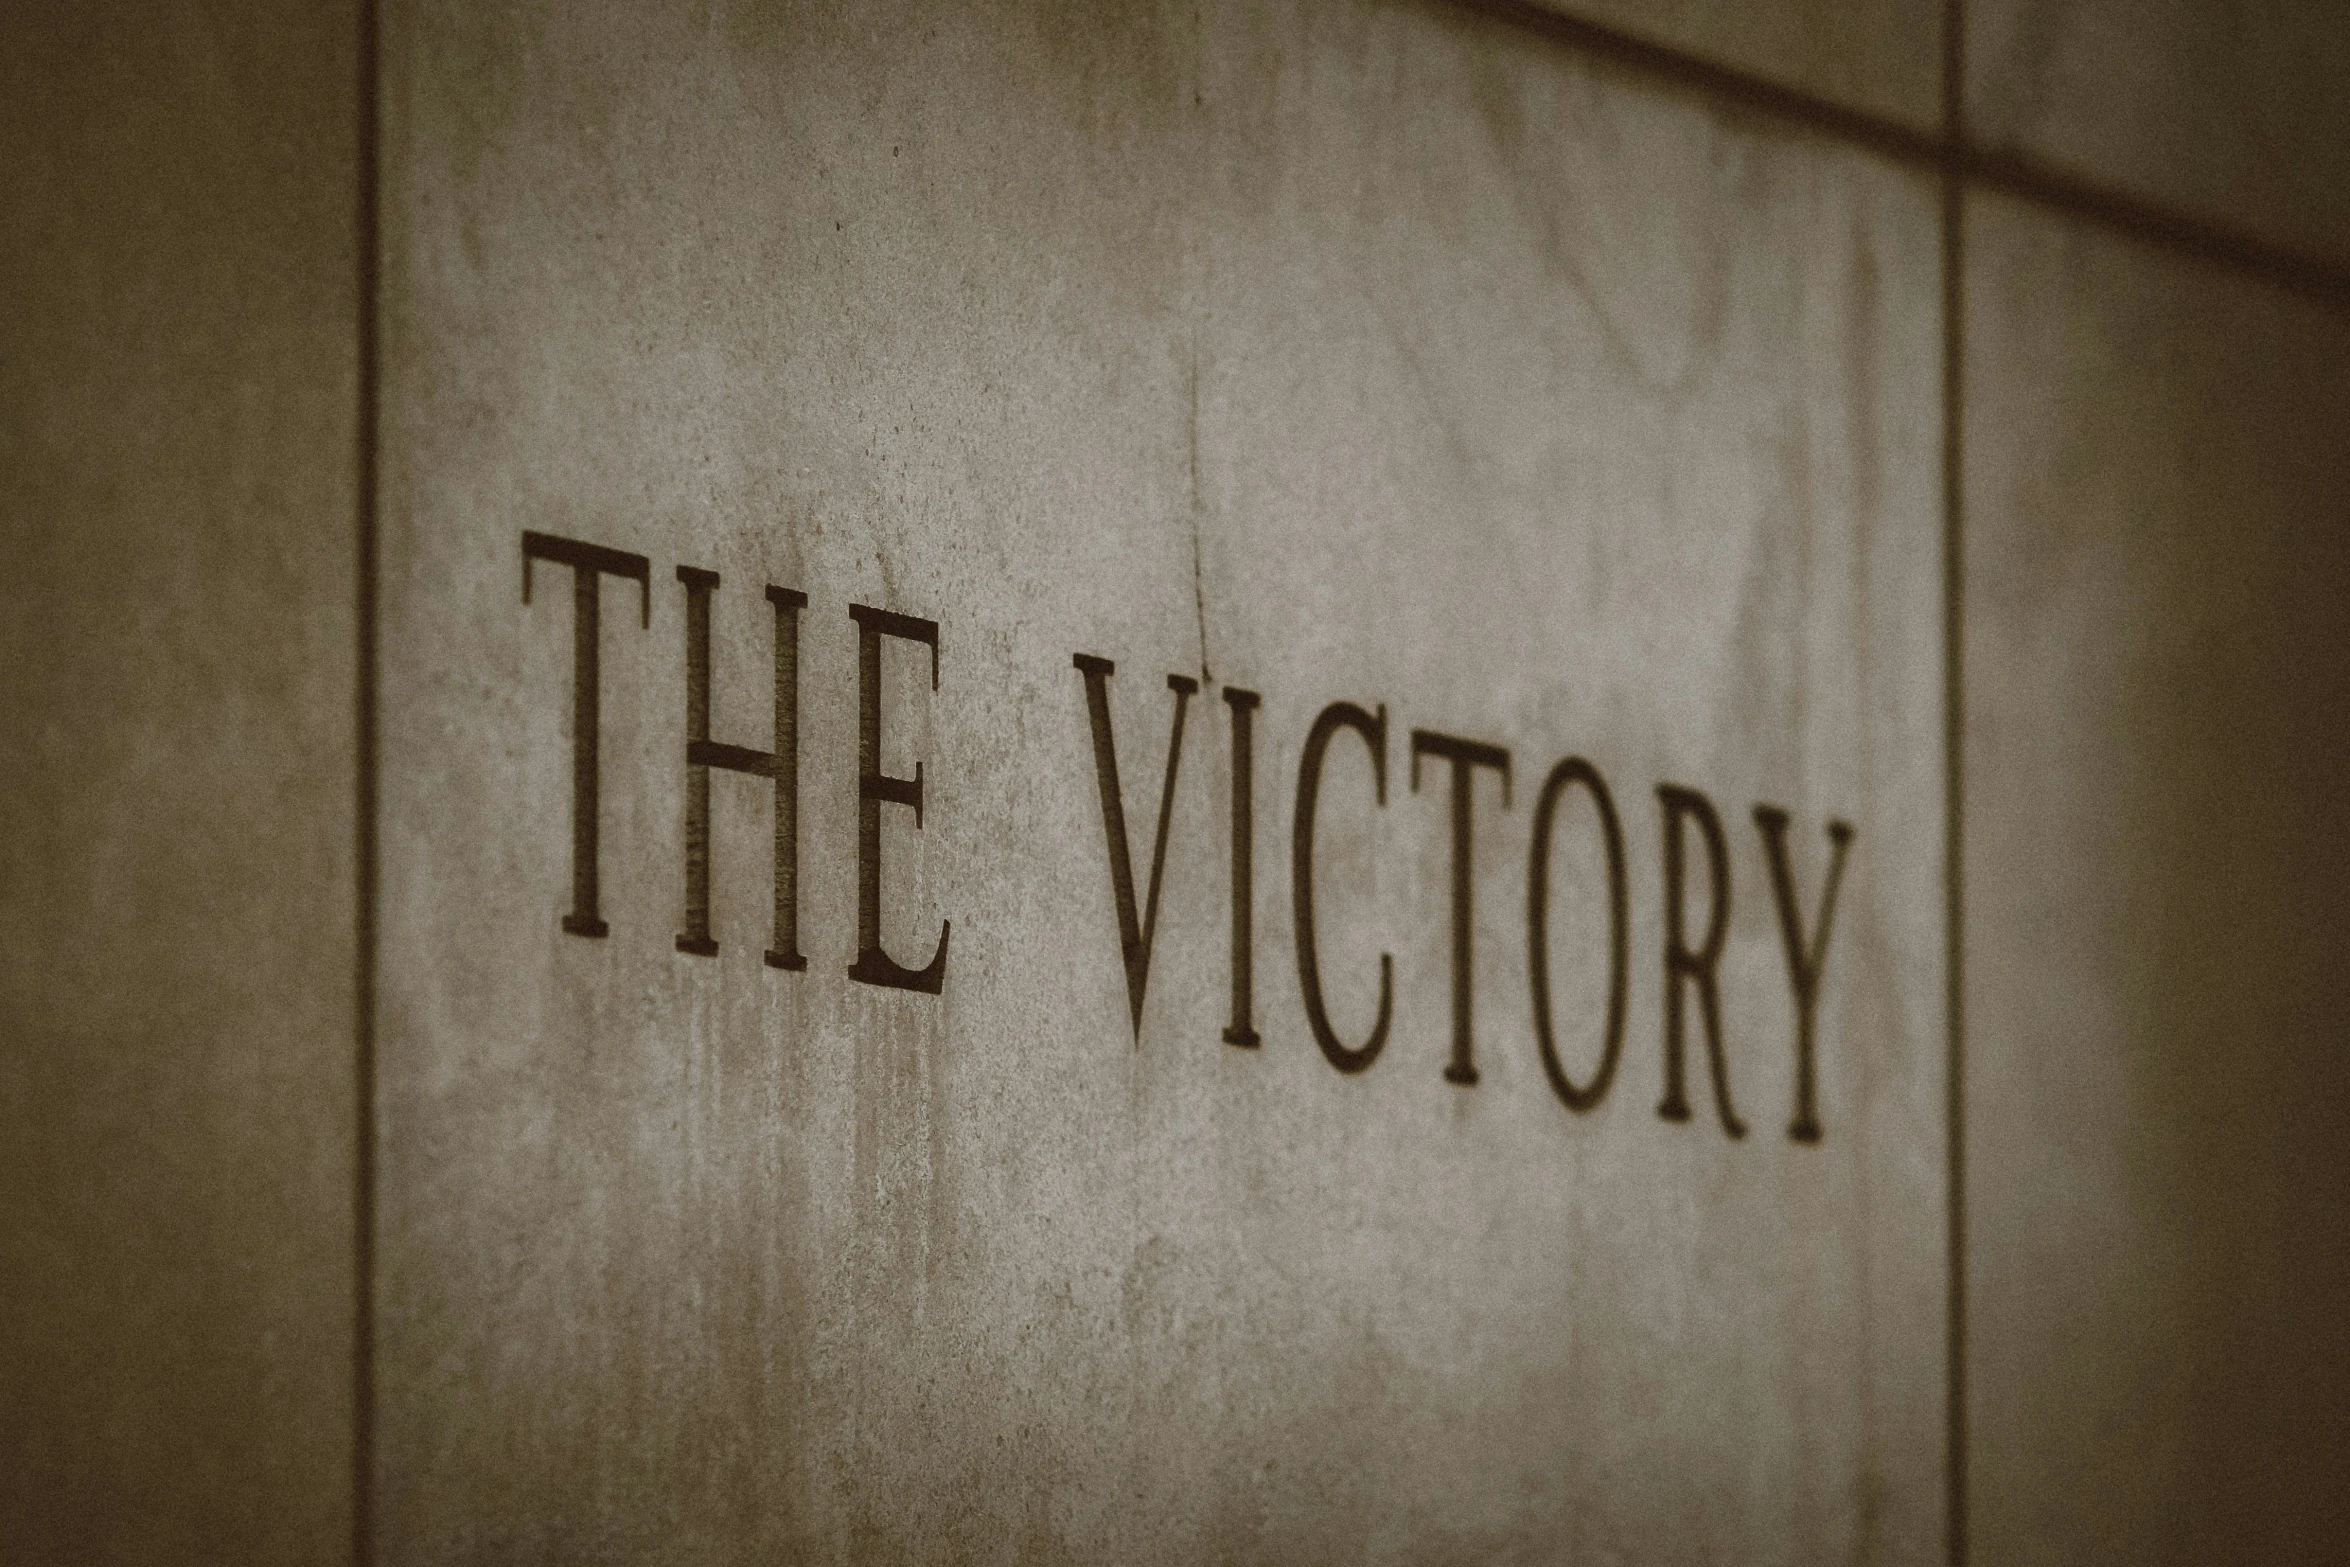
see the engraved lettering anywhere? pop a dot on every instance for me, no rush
(1242, 1030)
(1465, 756)
(1134, 936)
(1805, 960)
(1684, 966)
(1373, 729)
(874, 789)
(781, 765)
(1575, 770)
(588, 563)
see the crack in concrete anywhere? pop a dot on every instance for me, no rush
(1199, 592)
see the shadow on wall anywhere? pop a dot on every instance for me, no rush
(2158, 694)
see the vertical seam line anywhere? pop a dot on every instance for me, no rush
(1955, 1498)
(366, 867)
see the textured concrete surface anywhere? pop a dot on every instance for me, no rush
(2235, 112)
(1882, 56)
(2157, 698)
(1341, 353)
(1334, 352)
(177, 395)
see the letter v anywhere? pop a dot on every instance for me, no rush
(1134, 937)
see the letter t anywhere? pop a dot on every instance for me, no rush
(1464, 756)
(588, 562)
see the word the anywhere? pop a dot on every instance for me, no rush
(588, 563)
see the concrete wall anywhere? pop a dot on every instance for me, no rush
(2231, 114)
(178, 367)
(2155, 692)
(2156, 740)
(1379, 355)
(1496, 375)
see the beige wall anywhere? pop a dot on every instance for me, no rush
(2156, 689)
(1881, 58)
(2157, 683)
(1344, 353)
(177, 405)
(1389, 353)
(2230, 114)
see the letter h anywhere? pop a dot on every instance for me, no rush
(781, 764)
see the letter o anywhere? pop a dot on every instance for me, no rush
(1575, 770)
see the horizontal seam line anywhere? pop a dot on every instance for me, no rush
(2007, 172)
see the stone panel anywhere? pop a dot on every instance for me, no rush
(1883, 57)
(2156, 698)
(178, 357)
(1343, 354)
(2234, 113)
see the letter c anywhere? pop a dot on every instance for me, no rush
(1373, 729)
